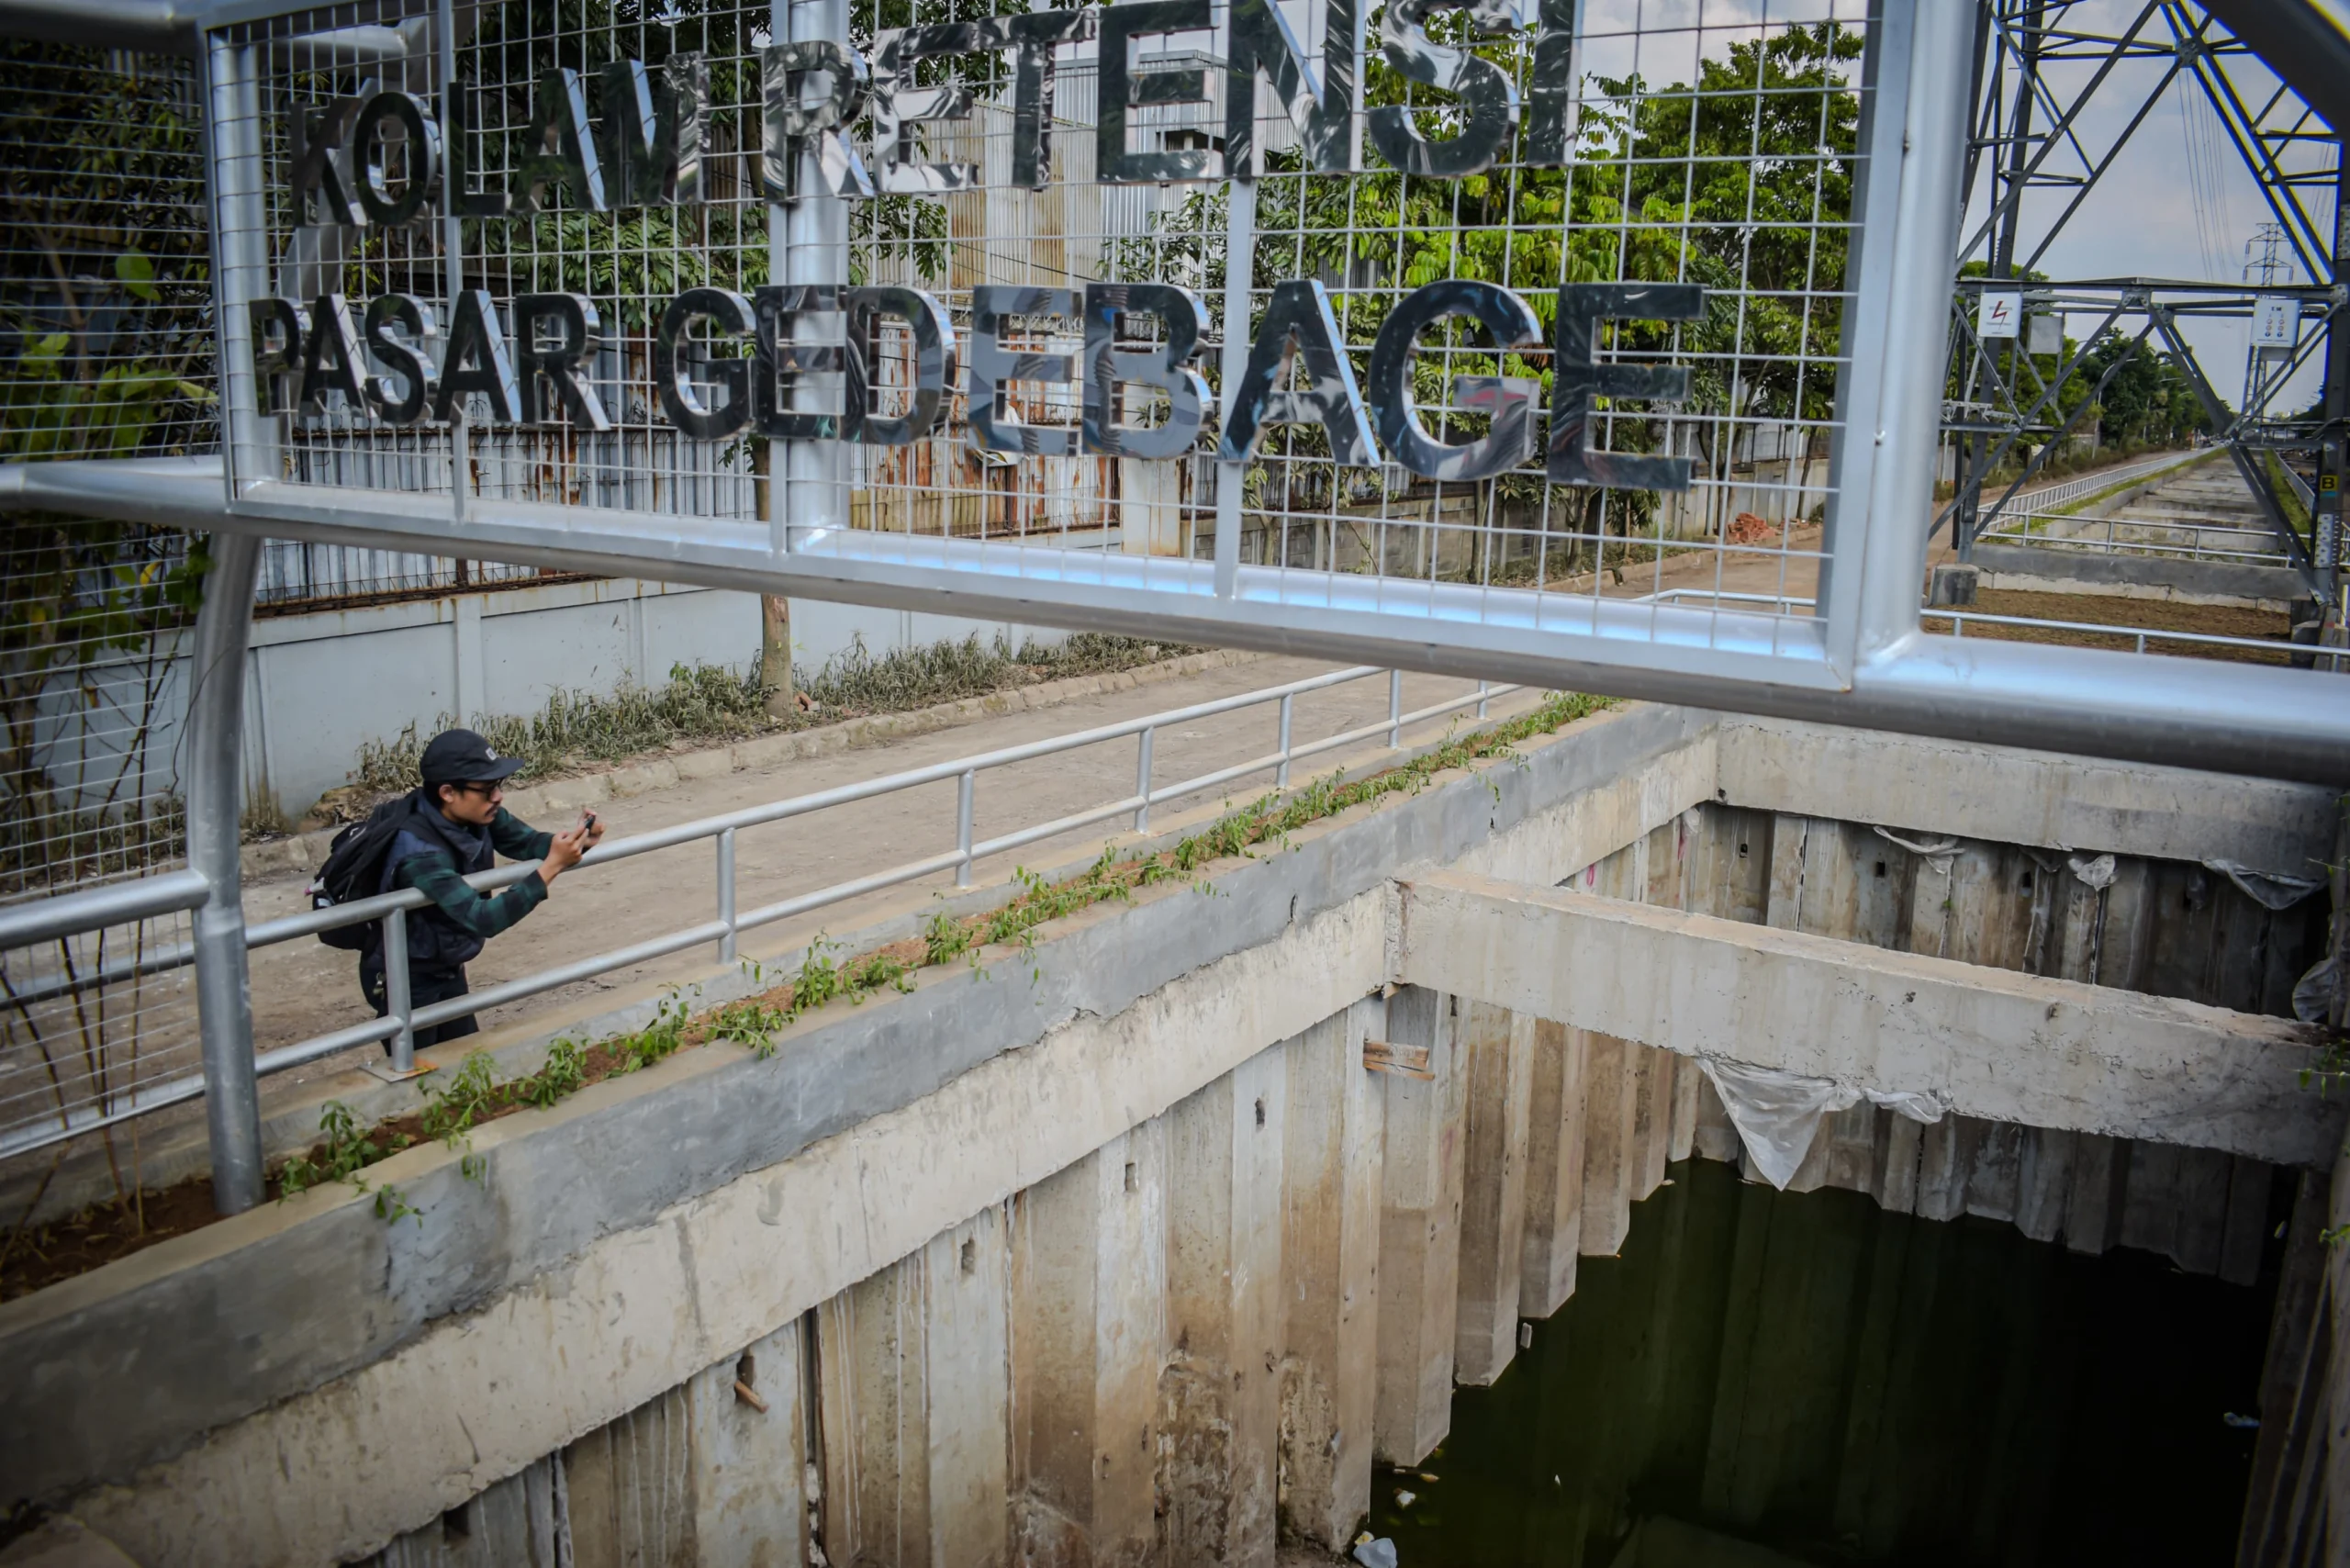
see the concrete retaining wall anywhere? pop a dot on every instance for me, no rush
(1083, 1260)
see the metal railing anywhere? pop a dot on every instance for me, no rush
(49, 919)
(2051, 496)
(2110, 541)
(1961, 618)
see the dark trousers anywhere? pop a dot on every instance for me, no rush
(423, 986)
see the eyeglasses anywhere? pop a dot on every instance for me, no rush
(490, 787)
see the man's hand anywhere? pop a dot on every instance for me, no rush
(592, 827)
(564, 852)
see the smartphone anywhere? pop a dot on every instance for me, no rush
(587, 821)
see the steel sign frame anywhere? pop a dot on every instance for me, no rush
(1859, 658)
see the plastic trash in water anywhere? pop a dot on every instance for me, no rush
(1380, 1553)
(2247, 1423)
(1406, 1500)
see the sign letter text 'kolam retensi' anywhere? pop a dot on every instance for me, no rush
(646, 151)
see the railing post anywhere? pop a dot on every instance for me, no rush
(963, 826)
(215, 806)
(1281, 781)
(726, 893)
(398, 1005)
(1394, 709)
(1483, 687)
(1142, 780)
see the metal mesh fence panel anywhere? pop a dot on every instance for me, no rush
(106, 351)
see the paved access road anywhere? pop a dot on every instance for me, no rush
(303, 988)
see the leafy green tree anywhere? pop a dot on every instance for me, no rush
(104, 349)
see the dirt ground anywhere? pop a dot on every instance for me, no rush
(2111, 610)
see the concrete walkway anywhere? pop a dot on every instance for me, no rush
(303, 988)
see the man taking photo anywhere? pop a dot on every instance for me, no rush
(451, 828)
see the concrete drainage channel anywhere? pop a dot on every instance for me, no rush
(1149, 1244)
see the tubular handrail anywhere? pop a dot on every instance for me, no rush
(2143, 633)
(95, 909)
(401, 1021)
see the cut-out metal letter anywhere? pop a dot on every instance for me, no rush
(421, 140)
(1577, 378)
(1121, 90)
(318, 160)
(476, 362)
(784, 361)
(415, 318)
(793, 125)
(673, 379)
(652, 137)
(577, 333)
(1322, 110)
(1511, 400)
(1488, 97)
(994, 428)
(1167, 369)
(1550, 90)
(1298, 323)
(936, 360)
(279, 334)
(330, 357)
(564, 149)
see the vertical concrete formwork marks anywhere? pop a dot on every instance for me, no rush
(750, 1465)
(1553, 1222)
(2167, 928)
(1333, 1152)
(1219, 1396)
(1611, 1110)
(913, 1374)
(1089, 1302)
(518, 1523)
(1495, 1050)
(1419, 1233)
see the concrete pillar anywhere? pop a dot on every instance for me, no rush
(872, 1355)
(1333, 1146)
(1419, 1233)
(1496, 1054)
(1220, 1394)
(629, 1486)
(1681, 1141)
(2101, 1183)
(2044, 1190)
(1611, 1106)
(748, 1463)
(1942, 1175)
(1553, 1222)
(1653, 1075)
(1716, 1136)
(1789, 836)
(1089, 1296)
(965, 1299)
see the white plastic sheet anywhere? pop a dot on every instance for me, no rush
(1777, 1113)
(2270, 889)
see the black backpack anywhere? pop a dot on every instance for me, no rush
(354, 867)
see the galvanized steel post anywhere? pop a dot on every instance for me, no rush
(215, 810)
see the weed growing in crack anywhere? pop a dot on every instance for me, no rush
(348, 1152)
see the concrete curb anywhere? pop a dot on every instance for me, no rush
(303, 852)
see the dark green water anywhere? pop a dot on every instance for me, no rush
(1764, 1379)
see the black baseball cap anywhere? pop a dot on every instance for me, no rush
(461, 756)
